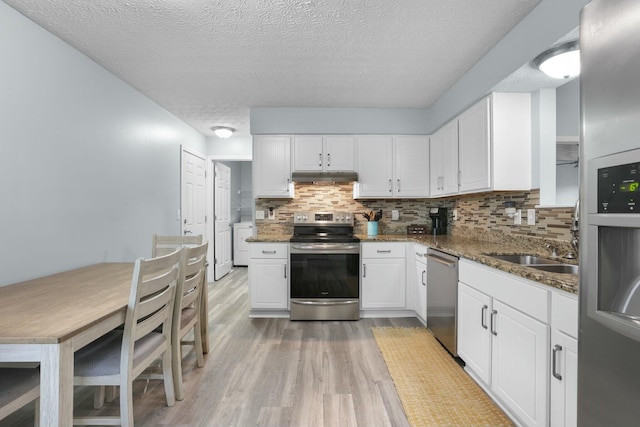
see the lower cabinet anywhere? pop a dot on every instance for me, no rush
(383, 276)
(503, 338)
(564, 361)
(269, 276)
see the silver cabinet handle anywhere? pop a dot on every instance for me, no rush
(329, 159)
(187, 232)
(286, 186)
(459, 178)
(493, 322)
(268, 252)
(285, 271)
(424, 273)
(364, 270)
(398, 185)
(390, 185)
(554, 370)
(483, 316)
(319, 159)
(387, 251)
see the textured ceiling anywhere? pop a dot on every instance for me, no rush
(209, 61)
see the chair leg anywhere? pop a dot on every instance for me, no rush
(198, 345)
(36, 418)
(176, 369)
(126, 403)
(167, 372)
(110, 394)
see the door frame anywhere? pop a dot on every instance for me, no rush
(210, 199)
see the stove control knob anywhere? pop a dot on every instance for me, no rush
(304, 217)
(348, 217)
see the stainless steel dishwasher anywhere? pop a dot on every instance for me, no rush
(442, 295)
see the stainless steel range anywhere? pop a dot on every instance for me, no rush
(325, 267)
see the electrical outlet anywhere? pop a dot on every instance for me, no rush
(531, 216)
(259, 214)
(272, 213)
(455, 214)
(395, 215)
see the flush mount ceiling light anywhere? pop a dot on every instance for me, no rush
(560, 62)
(223, 131)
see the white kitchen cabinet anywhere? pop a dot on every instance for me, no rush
(383, 284)
(392, 166)
(443, 167)
(495, 144)
(269, 276)
(564, 360)
(324, 153)
(492, 144)
(503, 337)
(420, 282)
(272, 166)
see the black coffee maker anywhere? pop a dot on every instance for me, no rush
(438, 220)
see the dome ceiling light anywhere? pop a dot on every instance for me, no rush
(560, 62)
(223, 131)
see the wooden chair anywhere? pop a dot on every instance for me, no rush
(163, 245)
(120, 356)
(186, 311)
(18, 387)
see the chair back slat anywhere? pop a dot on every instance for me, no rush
(151, 323)
(163, 245)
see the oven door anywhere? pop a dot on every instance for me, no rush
(325, 281)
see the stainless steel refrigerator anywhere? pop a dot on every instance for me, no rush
(609, 335)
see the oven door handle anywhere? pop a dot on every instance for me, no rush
(331, 302)
(324, 249)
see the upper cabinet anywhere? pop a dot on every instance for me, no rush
(324, 153)
(493, 147)
(392, 166)
(272, 166)
(444, 160)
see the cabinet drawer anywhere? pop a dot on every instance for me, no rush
(564, 313)
(269, 250)
(510, 289)
(383, 250)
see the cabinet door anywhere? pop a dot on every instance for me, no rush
(474, 148)
(411, 166)
(272, 166)
(268, 283)
(375, 166)
(421, 291)
(519, 365)
(564, 380)
(450, 182)
(339, 153)
(307, 153)
(383, 283)
(435, 162)
(474, 336)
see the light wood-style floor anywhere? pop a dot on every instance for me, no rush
(269, 372)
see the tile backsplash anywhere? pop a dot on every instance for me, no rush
(480, 215)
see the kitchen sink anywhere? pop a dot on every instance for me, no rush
(558, 268)
(524, 259)
(538, 263)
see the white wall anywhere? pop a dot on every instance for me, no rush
(89, 167)
(568, 108)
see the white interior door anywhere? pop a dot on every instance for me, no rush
(193, 194)
(222, 212)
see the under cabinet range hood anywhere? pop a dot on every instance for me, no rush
(324, 177)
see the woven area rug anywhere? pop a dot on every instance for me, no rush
(433, 388)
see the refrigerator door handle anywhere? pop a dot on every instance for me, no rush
(554, 370)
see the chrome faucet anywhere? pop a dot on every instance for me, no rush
(553, 249)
